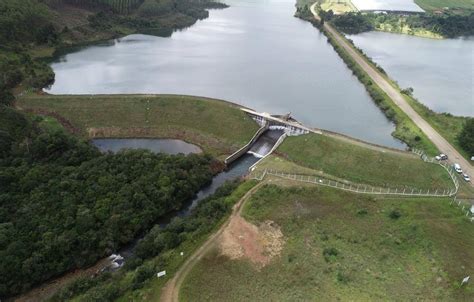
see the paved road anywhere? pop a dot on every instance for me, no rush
(170, 292)
(441, 143)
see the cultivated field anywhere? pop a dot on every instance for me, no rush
(339, 246)
(436, 5)
(360, 164)
(338, 6)
(218, 127)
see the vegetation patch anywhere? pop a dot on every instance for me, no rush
(218, 127)
(422, 255)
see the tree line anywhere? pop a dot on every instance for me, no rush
(449, 26)
(64, 204)
(118, 6)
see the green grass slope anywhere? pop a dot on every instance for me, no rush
(363, 165)
(345, 247)
(218, 127)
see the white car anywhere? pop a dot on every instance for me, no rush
(457, 168)
(442, 156)
(466, 177)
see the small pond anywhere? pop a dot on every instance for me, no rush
(169, 146)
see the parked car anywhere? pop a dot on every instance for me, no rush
(442, 156)
(466, 177)
(457, 168)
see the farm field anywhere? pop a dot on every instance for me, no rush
(329, 245)
(338, 6)
(433, 5)
(217, 126)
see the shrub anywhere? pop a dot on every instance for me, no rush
(330, 254)
(395, 214)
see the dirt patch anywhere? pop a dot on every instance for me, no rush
(242, 239)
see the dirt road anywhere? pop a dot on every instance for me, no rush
(171, 290)
(442, 144)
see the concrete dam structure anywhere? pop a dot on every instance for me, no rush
(273, 129)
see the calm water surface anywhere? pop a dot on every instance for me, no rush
(440, 71)
(254, 53)
(169, 146)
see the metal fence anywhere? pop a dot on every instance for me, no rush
(452, 173)
(355, 188)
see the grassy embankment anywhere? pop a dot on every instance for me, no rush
(218, 127)
(315, 154)
(342, 246)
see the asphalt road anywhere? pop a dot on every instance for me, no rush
(440, 142)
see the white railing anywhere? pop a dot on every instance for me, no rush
(446, 166)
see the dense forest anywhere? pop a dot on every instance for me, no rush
(448, 26)
(64, 205)
(152, 253)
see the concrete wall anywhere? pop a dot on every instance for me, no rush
(247, 147)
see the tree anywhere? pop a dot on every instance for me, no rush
(466, 137)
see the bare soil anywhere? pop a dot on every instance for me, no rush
(242, 239)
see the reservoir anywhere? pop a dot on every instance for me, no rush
(254, 53)
(441, 72)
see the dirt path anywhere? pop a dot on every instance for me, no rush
(441, 143)
(171, 290)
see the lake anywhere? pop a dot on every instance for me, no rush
(440, 71)
(169, 146)
(254, 53)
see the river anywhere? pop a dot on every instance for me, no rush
(441, 72)
(254, 53)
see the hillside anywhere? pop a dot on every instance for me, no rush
(321, 244)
